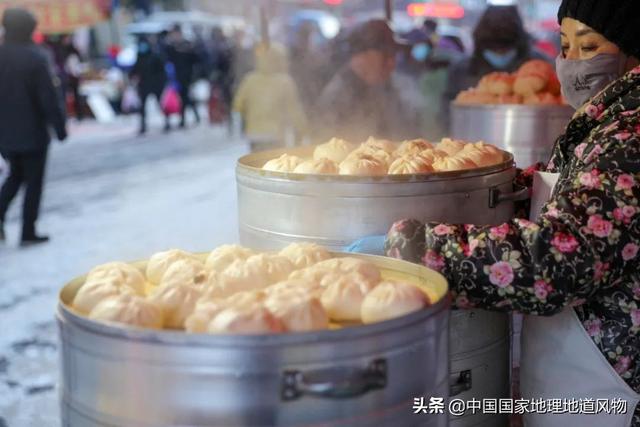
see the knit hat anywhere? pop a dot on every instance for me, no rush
(617, 20)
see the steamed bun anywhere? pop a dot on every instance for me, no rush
(160, 262)
(247, 320)
(297, 286)
(298, 313)
(346, 265)
(497, 83)
(370, 151)
(380, 144)
(304, 255)
(321, 166)
(410, 164)
(274, 267)
(450, 164)
(482, 154)
(130, 309)
(177, 302)
(412, 147)
(94, 292)
(451, 146)
(209, 306)
(343, 297)
(240, 276)
(390, 300)
(185, 272)
(222, 257)
(336, 150)
(284, 163)
(363, 165)
(123, 274)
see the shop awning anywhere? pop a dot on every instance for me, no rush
(62, 16)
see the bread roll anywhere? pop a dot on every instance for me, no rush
(390, 300)
(298, 312)
(222, 257)
(129, 309)
(414, 146)
(177, 302)
(363, 165)
(304, 255)
(450, 164)
(123, 275)
(185, 272)
(94, 292)
(451, 146)
(285, 163)
(322, 166)
(343, 297)
(160, 262)
(336, 149)
(251, 320)
(410, 164)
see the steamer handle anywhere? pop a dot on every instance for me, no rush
(496, 196)
(334, 383)
(460, 383)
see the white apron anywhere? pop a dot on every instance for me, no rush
(560, 361)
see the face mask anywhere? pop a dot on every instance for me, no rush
(500, 61)
(583, 79)
(420, 52)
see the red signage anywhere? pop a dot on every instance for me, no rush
(62, 16)
(436, 10)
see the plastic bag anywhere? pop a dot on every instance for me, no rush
(130, 100)
(171, 103)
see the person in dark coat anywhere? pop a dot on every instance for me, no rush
(501, 43)
(182, 54)
(149, 70)
(30, 103)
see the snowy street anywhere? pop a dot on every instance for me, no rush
(109, 196)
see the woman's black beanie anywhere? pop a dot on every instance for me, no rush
(617, 20)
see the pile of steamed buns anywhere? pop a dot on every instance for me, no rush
(535, 83)
(237, 291)
(377, 157)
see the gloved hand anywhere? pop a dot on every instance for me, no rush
(370, 245)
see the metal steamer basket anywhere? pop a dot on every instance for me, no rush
(527, 131)
(355, 376)
(276, 209)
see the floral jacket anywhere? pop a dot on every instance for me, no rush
(583, 251)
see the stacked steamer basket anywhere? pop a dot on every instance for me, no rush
(276, 209)
(354, 375)
(522, 113)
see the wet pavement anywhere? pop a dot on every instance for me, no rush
(109, 196)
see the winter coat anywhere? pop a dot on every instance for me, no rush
(29, 102)
(581, 253)
(268, 100)
(150, 70)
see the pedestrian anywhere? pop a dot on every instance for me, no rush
(361, 99)
(149, 72)
(182, 54)
(573, 269)
(221, 76)
(501, 43)
(73, 69)
(30, 104)
(268, 101)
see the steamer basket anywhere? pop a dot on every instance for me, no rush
(527, 131)
(356, 376)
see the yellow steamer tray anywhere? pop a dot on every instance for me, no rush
(433, 284)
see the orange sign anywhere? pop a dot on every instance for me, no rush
(62, 16)
(436, 10)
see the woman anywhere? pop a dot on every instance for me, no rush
(576, 268)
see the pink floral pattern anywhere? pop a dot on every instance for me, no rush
(582, 254)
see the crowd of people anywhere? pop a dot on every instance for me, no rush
(367, 81)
